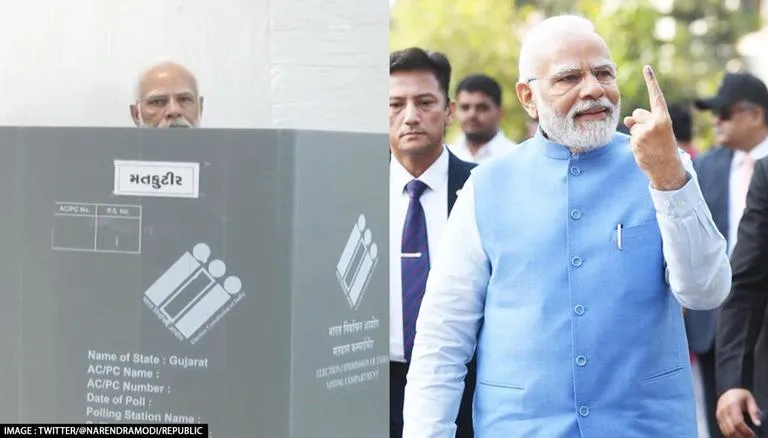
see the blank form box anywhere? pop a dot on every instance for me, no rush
(74, 232)
(118, 234)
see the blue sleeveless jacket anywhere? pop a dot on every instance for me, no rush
(581, 335)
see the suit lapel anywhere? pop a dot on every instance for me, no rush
(452, 181)
(458, 172)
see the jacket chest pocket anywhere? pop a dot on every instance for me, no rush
(637, 255)
(637, 264)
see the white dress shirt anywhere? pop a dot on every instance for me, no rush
(455, 299)
(434, 200)
(734, 213)
(497, 145)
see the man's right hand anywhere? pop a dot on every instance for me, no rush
(730, 413)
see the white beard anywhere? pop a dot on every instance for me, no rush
(179, 122)
(592, 134)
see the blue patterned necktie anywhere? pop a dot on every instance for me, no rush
(414, 262)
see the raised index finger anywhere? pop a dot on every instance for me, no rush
(658, 104)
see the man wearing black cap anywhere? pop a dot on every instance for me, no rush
(740, 108)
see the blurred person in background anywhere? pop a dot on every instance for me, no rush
(479, 111)
(424, 182)
(682, 125)
(699, 324)
(565, 265)
(740, 109)
(167, 97)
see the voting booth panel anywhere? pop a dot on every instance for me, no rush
(230, 277)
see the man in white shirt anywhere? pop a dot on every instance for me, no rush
(167, 97)
(425, 179)
(479, 111)
(565, 265)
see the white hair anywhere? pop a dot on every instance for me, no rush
(162, 63)
(542, 34)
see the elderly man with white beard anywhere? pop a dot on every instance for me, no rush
(565, 266)
(167, 97)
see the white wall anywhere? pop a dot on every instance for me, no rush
(310, 64)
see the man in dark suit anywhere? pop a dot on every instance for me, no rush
(740, 110)
(425, 179)
(742, 363)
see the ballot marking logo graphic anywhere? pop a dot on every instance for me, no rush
(192, 295)
(357, 262)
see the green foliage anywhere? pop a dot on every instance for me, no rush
(485, 35)
(477, 36)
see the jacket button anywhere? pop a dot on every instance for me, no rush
(575, 214)
(576, 261)
(581, 361)
(575, 171)
(583, 411)
(578, 309)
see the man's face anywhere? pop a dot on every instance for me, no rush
(418, 113)
(478, 114)
(734, 124)
(169, 99)
(575, 95)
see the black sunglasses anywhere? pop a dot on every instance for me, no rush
(726, 113)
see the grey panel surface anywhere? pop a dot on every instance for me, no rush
(78, 259)
(341, 304)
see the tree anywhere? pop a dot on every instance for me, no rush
(477, 36)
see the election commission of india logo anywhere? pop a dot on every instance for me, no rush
(357, 262)
(193, 294)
